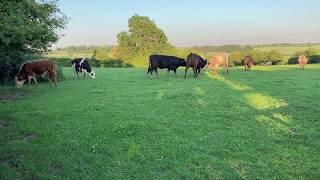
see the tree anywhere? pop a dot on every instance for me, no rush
(275, 56)
(311, 52)
(236, 58)
(27, 28)
(142, 39)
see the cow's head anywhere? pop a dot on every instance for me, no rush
(92, 75)
(182, 63)
(204, 64)
(19, 82)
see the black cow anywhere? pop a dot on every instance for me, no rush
(82, 65)
(162, 62)
(196, 62)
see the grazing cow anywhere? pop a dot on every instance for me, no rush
(196, 62)
(81, 65)
(268, 63)
(29, 70)
(220, 59)
(162, 62)
(247, 62)
(302, 60)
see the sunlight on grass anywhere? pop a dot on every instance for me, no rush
(234, 85)
(199, 91)
(284, 118)
(261, 101)
(161, 93)
(273, 124)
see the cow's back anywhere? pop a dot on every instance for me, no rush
(38, 67)
(219, 59)
(163, 61)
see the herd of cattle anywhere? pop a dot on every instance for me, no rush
(31, 69)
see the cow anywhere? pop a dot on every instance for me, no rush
(196, 62)
(31, 69)
(163, 61)
(217, 60)
(302, 60)
(81, 65)
(268, 63)
(247, 62)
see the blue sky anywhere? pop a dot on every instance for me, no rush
(195, 22)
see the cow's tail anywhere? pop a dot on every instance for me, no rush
(149, 68)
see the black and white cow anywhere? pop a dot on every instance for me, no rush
(81, 65)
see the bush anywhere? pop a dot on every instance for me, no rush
(63, 62)
(312, 59)
(10, 64)
(115, 63)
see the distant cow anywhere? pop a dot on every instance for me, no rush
(196, 62)
(81, 65)
(247, 62)
(268, 63)
(220, 59)
(29, 70)
(302, 60)
(162, 62)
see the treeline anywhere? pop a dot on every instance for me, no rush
(85, 49)
(224, 48)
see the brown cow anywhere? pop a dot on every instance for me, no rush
(196, 62)
(220, 59)
(247, 62)
(302, 60)
(29, 70)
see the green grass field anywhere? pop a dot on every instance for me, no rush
(262, 124)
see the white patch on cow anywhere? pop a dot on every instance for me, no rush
(82, 61)
(19, 84)
(92, 74)
(43, 74)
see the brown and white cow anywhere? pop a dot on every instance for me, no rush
(31, 69)
(217, 60)
(247, 62)
(302, 60)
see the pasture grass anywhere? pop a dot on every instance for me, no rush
(262, 124)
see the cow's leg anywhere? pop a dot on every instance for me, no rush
(29, 80)
(151, 71)
(53, 78)
(185, 72)
(215, 70)
(175, 72)
(77, 74)
(195, 72)
(156, 70)
(35, 80)
(148, 70)
(73, 71)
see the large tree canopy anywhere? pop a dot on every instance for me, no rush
(142, 38)
(26, 27)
